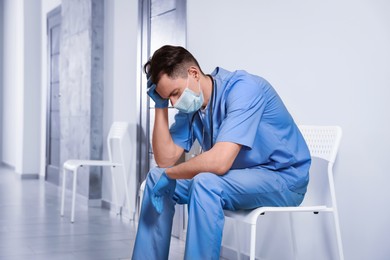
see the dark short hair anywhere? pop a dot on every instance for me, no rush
(171, 60)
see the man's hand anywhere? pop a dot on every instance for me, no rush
(163, 187)
(158, 100)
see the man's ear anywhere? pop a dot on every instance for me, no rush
(194, 72)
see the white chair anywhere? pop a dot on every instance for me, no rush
(323, 143)
(141, 195)
(118, 132)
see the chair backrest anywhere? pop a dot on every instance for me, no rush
(323, 141)
(121, 148)
(118, 131)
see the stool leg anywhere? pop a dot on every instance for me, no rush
(63, 192)
(74, 193)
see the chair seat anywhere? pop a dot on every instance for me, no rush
(74, 164)
(250, 216)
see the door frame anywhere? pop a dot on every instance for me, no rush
(53, 14)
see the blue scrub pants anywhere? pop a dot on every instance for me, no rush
(207, 194)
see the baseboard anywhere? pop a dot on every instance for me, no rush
(124, 212)
(29, 176)
(106, 205)
(7, 166)
(23, 176)
(80, 199)
(94, 203)
(230, 253)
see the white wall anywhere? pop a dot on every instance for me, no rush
(46, 7)
(329, 61)
(29, 153)
(120, 73)
(12, 81)
(1, 80)
(21, 90)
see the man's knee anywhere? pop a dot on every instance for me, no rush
(206, 191)
(205, 182)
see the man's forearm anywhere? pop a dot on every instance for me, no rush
(166, 152)
(218, 160)
(190, 168)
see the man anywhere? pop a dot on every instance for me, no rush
(254, 154)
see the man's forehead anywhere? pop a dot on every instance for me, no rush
(165, 82)
(166, 85)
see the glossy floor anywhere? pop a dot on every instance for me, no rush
(31, 226)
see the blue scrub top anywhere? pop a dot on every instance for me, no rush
(247, 110)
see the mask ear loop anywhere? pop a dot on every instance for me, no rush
(180, 98)
(200, 91)
(191, 133)
(201, 145)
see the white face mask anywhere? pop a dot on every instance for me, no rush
(189, 101)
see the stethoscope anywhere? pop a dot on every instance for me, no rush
(211, 111)
(210, 114)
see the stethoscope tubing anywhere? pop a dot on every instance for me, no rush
(213, 89)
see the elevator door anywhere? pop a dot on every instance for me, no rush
(163, 22)
(167, 27)
(53, 111)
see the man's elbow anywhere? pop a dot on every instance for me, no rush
(222, 167)
(222, 156)
(166, 161)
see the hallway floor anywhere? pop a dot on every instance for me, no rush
(31, 226)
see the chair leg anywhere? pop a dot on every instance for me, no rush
(63, 191)
(131, 216)
(141, 197)
(74, 194)
(338, 235)
(252, 249)
(292, 234)
(117, 208)
(237, 235)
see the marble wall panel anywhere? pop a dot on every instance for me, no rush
(75, 75)
(76, 16)
(81, 77)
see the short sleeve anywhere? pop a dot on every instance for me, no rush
(245, 103)
(181, 131)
